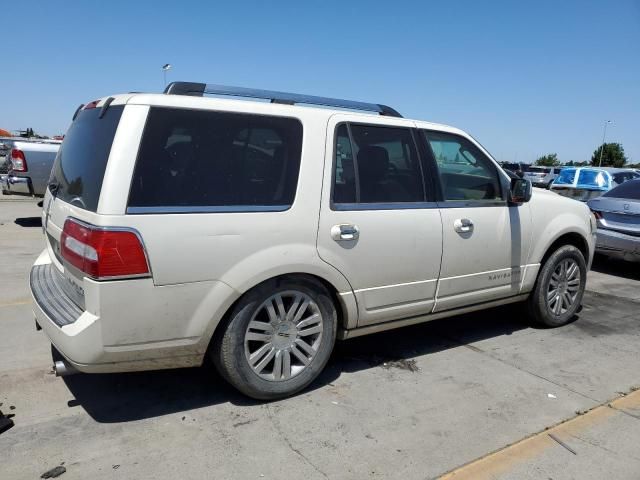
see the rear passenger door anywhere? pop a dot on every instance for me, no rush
(486, 240)
(379, 225)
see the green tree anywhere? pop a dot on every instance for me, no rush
(612, 156)
(549, 160)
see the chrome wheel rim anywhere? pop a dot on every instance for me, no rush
(564, 286)
(283, 336)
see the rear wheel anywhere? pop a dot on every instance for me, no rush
(278, 338)
(559, 288)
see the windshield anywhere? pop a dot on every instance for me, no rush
(566, 176)
(82, 159)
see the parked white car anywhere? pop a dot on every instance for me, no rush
(180, 227)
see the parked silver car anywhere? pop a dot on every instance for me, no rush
(541, 176)
(618, 216)
(29, 163)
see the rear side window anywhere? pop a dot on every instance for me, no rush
(215, 161)
(375, 164)
(79, 167)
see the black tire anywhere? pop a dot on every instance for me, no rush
(539, 306)
(228, 347)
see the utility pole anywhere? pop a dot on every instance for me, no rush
(604, 135)
(165, 68)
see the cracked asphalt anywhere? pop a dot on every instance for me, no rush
(469, 396)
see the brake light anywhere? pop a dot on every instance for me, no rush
(597, 214)
(103, 253)
(18, 162)
(91, 105)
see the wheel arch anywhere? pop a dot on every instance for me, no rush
(569, 238)
(345, 304)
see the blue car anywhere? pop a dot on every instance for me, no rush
(585, 183)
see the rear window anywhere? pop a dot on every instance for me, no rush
(191, 160)
(629, 190)
(565, 177)
(79, 167)
(538, 170)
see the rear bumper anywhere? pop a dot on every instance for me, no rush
(14, 185)
(127, 325)
(619, 245)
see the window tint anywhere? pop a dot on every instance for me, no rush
(191, 158)
(566, 176)
(465, 172)
(629, 190)
(380, 166)
(624, 176)
(592, 178)
(79, 167)
(344, 190)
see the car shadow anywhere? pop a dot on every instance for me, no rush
(29, 222)
(618, 268)
(123, 397)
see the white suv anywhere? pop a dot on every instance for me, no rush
(541, 176)
(180, 227)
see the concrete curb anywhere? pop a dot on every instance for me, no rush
(499, 462)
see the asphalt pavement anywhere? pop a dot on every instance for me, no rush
(474, 396)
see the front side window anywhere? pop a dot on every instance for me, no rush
(465, 172)
(192, 158)
(376, 164)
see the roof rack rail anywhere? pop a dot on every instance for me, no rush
(199, 89)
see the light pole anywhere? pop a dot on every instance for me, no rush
(604, 134)
(165, 68)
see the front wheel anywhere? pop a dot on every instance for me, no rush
(278, 338)
(559, 288)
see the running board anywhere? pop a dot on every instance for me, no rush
(344, 334)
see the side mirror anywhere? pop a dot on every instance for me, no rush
(520, 190)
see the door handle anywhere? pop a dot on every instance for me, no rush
(345, 232)
(463, 225)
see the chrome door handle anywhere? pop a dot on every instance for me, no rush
(463, 225)
(345, 232)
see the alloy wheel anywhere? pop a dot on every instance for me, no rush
(564, 286)
(283, 336)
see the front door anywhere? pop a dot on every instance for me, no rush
(378, 224)
(486, 240)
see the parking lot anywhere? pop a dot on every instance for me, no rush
(469, 397)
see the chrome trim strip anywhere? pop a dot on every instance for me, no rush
(344, 334)
(383, 206)
(208, 209)
(395, 285)
(472, 203)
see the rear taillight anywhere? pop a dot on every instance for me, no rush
(103, 253)
(597, 214)
(18, 162)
